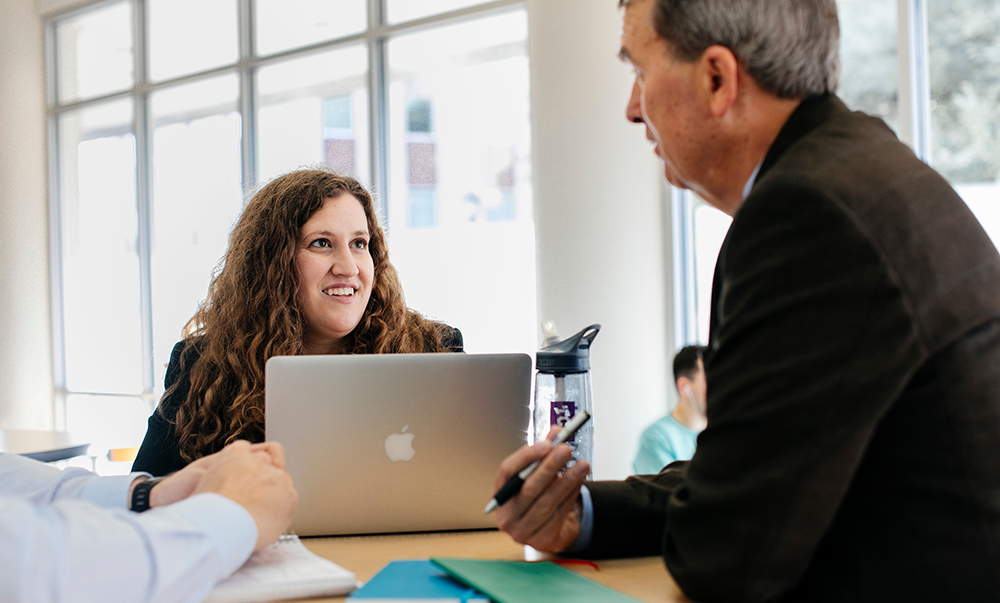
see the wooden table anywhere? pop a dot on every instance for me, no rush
(45, 446)
(644, 578)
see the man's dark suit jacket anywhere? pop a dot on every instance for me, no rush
(853, 443)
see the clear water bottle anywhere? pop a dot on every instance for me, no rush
(563, 388)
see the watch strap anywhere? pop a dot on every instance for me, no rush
(140, 494)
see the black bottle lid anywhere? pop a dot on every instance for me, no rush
(571, 355)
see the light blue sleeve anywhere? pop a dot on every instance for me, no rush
(44, 484)
(56, 545)
(40, 483)
(586, 523)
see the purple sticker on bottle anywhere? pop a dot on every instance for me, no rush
(560, 413)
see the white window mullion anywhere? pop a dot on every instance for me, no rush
(378, 107)
(248, 112)
(914, 78)
(55, 236)
(684, 277)
(143, 194)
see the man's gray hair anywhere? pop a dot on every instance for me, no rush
(789, 47)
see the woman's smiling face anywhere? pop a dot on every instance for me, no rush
(336, 273)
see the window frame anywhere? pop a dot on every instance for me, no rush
(374, 37)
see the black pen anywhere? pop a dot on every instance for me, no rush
(513, 485)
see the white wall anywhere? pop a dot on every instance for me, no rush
(602, 232)
(25, 341)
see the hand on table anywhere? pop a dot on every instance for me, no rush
(252, 475)
(546, 512)
(178, 486)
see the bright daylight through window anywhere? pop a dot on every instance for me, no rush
(962, 118)
(164, 125)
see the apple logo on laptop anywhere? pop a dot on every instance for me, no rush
(399, 446)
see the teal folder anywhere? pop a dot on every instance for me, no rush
(524, 582)
(414, 580)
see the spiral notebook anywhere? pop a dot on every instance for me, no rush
(284, 570)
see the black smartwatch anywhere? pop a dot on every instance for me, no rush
(140, 494)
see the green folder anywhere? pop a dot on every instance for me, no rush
(525, 582)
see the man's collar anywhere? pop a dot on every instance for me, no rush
(753, 178)
(810, 114)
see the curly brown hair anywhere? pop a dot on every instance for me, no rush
(252, 312)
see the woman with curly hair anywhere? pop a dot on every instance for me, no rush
(307, 272)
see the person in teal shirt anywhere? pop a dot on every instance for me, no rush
(673, 437)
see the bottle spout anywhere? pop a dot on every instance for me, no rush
(569, 355)
(549, 333)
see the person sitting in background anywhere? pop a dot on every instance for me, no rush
(307, 272)
(673, 437)
(73, 536)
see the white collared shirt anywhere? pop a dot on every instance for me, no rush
(67, 536)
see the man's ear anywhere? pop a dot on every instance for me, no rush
(689, 394)
(719, 71)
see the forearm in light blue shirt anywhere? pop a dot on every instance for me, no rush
(227, 525)
(111, 491)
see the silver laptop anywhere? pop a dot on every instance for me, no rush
(389, 443)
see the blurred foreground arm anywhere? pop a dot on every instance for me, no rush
(66, 535)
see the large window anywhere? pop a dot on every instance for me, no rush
(166, 115)
(964, 66)
(930, 69)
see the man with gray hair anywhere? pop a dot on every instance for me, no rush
(852, 451)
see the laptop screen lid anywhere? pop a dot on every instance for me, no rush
(448, 420)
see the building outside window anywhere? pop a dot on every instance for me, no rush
(421, 175)
(163, 125)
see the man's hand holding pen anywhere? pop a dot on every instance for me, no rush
(545, 514)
